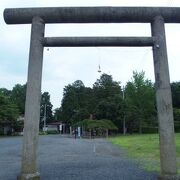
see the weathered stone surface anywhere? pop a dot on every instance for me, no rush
(164, 99)
(92, 14)
(98, 41)
(34, 176)
(33, 97)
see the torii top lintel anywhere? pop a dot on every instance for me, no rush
(92, 14)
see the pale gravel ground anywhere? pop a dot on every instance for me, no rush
(62, 158)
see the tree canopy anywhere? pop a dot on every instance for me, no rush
(97, 124)
(140, 102)
(18, 96)
(46, 107)
(133, 106)
(105, 101)
(8, 112)
(12, 105)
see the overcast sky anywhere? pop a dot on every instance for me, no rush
(65, 65)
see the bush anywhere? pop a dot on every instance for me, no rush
(52, 132)
(149, 130)
(42, 133)
(101, 124)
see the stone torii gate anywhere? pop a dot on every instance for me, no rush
(38, 17)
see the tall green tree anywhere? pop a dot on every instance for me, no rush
(74, 103)
(108, 99)
(140, 101)
(57, 115)
(175, 88)
(5, 92)
(111, 108)
(18, 97)
(9, 112)
(106, 87)
(12, 105)
(46, 108)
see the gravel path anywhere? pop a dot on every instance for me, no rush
(62, 158)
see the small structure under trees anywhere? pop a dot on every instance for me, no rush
(92, 127)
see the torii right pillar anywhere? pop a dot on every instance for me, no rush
(164, 102)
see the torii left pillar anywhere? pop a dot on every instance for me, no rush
(32, 109)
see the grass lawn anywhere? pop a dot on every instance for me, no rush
(145, 149)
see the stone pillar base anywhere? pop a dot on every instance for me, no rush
(169, 177)
(34, 176)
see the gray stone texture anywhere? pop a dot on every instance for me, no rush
(163, 99)
(92, 14)
(33, 97)
(97, 41)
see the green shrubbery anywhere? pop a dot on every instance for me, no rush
(42, 133)
(48, 132)
(101, 124)
(149, 130)
(52, 132)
